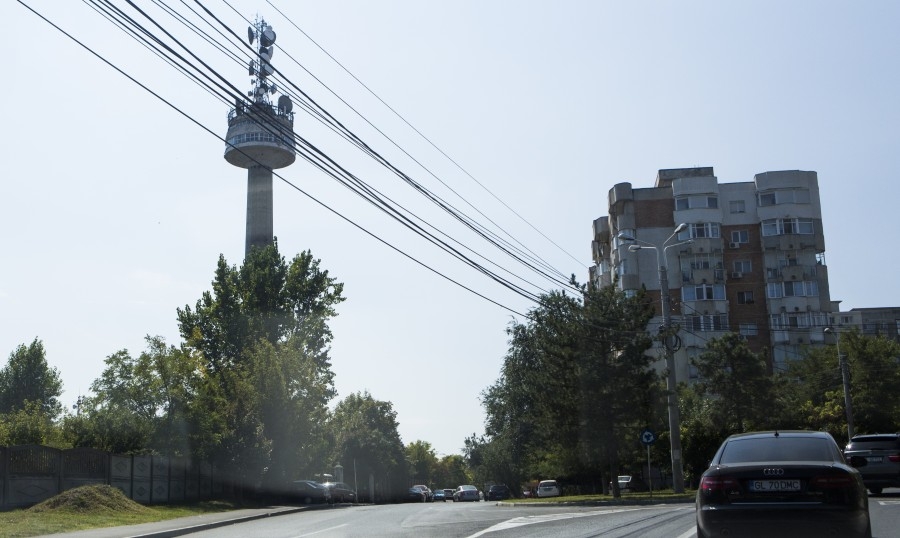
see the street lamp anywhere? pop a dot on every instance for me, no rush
(671, 382)
(845, 376)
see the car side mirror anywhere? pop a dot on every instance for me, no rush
(858, 461)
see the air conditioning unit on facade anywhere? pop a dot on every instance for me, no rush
(734, 245)
(737, 275)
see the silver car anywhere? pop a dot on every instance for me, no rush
(882, 454)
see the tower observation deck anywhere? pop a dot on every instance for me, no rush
(260, 138)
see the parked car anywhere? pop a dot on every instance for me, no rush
(448, 494)
(310, 492)
(416, 494)
(882, 454)
(498, 492)
(340, 492)
(439, 495)
(548, 488)
(466, 492)
(630, 483)
(429, 495)
(791, 483)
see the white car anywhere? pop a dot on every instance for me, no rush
(548, 488)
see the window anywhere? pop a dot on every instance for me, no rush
(748, 329)
(716, 322)
(740, 236)
(807, 288)
(784, 196)
(743, 266)
(772, 227)
(737, 206)
(777, 449)
(703, 292)
(745, 297)
(701, 229)
(790, 260)
(696, 202)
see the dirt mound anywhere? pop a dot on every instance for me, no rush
(90, 499)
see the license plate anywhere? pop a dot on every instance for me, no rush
(874, 459)
(774, 485)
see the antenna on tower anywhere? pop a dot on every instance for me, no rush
(261, 67)
(285, 105)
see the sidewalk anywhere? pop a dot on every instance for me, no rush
(181, 526)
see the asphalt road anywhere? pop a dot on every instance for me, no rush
(495, 520)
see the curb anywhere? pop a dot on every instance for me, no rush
(171, 533)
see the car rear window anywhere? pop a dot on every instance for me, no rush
(776, 449)
(869, 442)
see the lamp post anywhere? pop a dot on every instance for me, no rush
(845, 377)
(671, 381)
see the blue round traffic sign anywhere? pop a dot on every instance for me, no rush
(648, 437)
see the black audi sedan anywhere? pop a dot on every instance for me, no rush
(789, 483)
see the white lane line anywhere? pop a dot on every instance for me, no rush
(533, 520)
(688, 534)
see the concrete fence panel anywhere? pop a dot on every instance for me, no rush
(142, 479)
(159, 489)
(83, 466)
(33, 472)
(120, 474)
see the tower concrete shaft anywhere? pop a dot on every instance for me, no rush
(259, 208)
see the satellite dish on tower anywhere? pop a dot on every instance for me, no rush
(265, 69)
(250, 34)
(267, 37)
(266, 53)
(250, 68)
(285, 104)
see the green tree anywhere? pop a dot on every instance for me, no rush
(451, 472)
(262, 338)
(365, 433)
(814, 386)
(575, 387)
(739, 381)
(422, 461)
(28, 425)
(140, 404)
(28, 378)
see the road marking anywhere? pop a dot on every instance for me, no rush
(688, 534)
(533, 520)
(321, 531)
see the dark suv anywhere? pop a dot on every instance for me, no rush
(882, 453)
(498, 492)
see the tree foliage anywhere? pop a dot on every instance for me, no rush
(262, 340)
(422, 461)
(815, 390)
(28, 378)
(576, 384)
(366, 433)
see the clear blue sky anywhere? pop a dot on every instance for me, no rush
(116, 208)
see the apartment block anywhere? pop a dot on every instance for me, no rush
(750, 258)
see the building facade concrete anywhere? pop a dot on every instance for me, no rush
(751, 259)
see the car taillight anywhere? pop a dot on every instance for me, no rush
(711, 484)
(832, 481)
(894, 458)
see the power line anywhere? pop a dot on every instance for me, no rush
(193, 120)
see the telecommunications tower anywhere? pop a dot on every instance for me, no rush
(260, 137)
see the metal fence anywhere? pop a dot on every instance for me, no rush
(30, 474)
